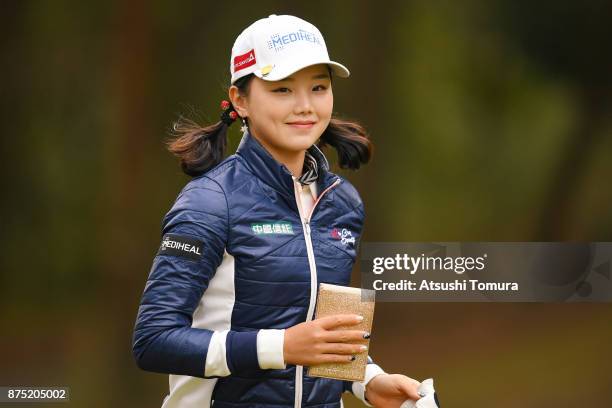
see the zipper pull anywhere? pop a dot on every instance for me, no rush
(307, 227)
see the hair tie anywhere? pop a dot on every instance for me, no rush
(229, 115)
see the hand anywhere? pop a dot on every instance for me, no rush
(391, 390)
(318, 341)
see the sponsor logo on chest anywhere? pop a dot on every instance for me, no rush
(343, 235)
(265, 228)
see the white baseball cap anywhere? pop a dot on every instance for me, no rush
(277, 46)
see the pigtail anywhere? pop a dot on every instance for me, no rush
(351, 142)
(198, 148)
(201, 148)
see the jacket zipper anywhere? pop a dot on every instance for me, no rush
(313, 278)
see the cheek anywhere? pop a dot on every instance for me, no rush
(274, 111)
(326, 106)
(265, 114)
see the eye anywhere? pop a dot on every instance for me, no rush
(281, 90)
(321, 87)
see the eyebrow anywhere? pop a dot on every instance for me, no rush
(319, 76)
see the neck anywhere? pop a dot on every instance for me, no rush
(294, 161)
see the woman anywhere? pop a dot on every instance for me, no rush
(227, 309)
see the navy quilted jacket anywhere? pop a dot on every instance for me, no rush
(239, 263)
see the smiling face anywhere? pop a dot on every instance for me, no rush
(288, 116)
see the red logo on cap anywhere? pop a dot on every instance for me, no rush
(244, 60)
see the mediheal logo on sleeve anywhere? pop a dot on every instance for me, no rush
(181, 245)
(272, 228)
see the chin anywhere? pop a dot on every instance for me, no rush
(300, 142)
(297, 147)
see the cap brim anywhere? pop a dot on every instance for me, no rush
(278, 74)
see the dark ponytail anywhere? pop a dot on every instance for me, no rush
(201, 148)
(351, 142)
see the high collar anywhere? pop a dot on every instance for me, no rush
(275, 174)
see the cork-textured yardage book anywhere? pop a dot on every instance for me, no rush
(336, 299)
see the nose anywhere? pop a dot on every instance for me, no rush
(303, 103)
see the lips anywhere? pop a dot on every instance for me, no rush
(301, 124)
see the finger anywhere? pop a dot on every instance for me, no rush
(409, 387)
(345, 336)
(335, 358)
(343, 348)
(329, 322)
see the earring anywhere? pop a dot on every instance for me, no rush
(244, 126)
